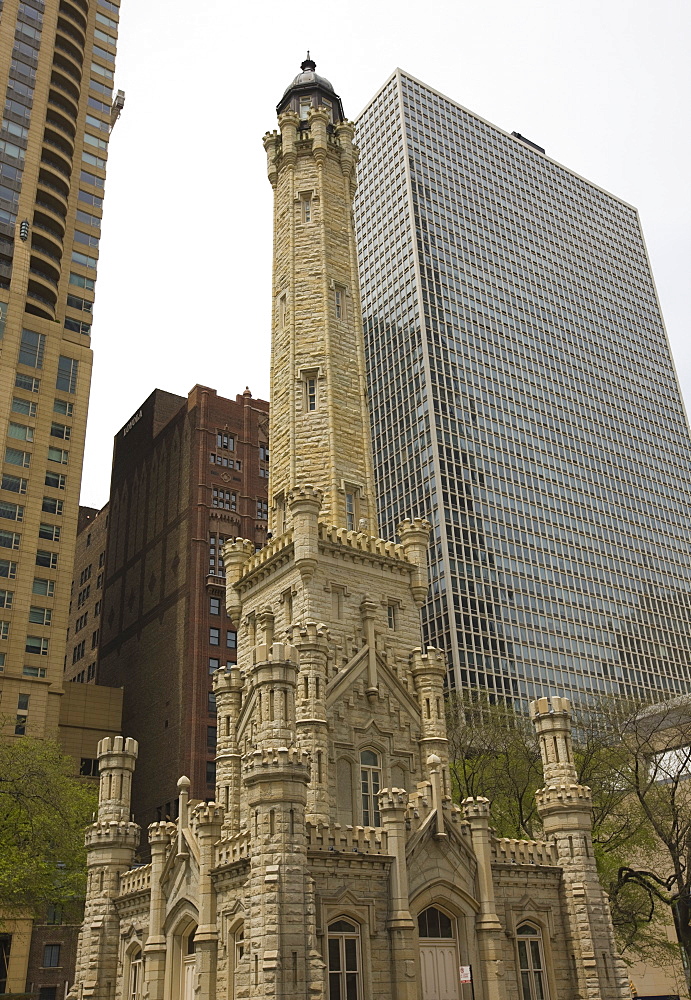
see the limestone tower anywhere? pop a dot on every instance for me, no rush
(319, 417)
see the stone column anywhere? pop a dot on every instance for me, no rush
(414, 537)
(429, 670)
(565, 807)
(304, 503)
(161, 835)
(312, 643)
(487, 925)
(206, 822)
(228, 687)
(401, 926)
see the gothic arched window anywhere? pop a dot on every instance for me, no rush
(370, 785)
(531, 962)
(134, 991)
(344, 960)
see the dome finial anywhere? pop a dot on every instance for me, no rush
(308, 64)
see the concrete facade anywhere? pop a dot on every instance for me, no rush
(332, 862)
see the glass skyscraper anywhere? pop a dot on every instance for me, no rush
(524, 398)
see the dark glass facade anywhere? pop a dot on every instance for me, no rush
(524, 399)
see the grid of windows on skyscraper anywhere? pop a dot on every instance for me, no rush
(523, 398)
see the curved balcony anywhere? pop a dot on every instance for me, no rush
(52, 208)
(44, 280)
(44, 272)
(57, 100)
(72, 11)
(66, 65)
(68, 30)
(55, 185)
(47, 225)
(40, 304)
(62, 125)
(45, 257)
(49, 158)
(69, 50)
(59, 80)
(56, 141)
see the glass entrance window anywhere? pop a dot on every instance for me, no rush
(531, 962)
(370, 785)
(344, 961)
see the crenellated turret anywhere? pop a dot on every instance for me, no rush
(110, 844)
(565, 807)
(228, 687)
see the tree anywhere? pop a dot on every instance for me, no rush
(636, 759)
(44, 809)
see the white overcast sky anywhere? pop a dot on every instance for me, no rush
(185, 271)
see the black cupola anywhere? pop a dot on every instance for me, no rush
(307, 90)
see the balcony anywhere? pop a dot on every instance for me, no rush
(60, 80)
(66, 65)
(38, 304)
(49, 158)
(44, 274)
(55, 140)
(56, 100)
(68, 30)
(70, 51)
(55, 184)
(46, 224)
(61, 124)
(53, 209)
(71, 11)
(45, 261)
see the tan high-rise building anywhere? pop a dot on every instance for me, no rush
(56, 72)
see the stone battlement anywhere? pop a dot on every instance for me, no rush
(117, 744)
(290, 758)
(352, 839)
(563, 794)
(113, 832)
(360, 541)
(235, 848)
(135, 880)
(505, 850)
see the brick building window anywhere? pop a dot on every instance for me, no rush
(224, 498)
(214, 637)
(226, 441)
(51, 956)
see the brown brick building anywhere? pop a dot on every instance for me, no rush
(87, 595)
(187, 474)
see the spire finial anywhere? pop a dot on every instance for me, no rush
(308, 64)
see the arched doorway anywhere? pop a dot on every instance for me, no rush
(438, 955)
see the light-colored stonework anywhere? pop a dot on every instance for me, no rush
(333, 846)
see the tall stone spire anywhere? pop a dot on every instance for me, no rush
(320, 433)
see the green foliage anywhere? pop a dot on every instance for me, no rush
(494, 752)
(44, 809)
(641, 807)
